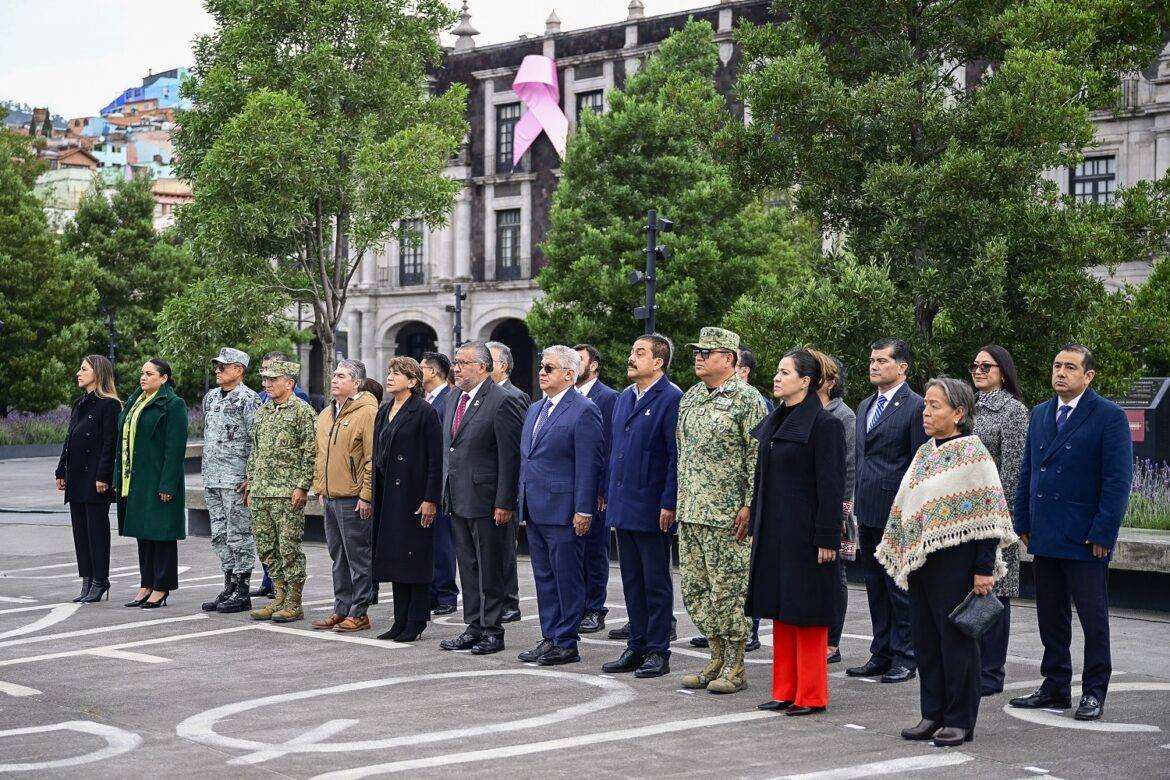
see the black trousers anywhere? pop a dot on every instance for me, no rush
(889, 606)
(838, 628)
(948, 660)
(645, 563)
(483, 550)
(412, 602)
(158, 565)
(1085, 584)
(91, 538)
(993, 647)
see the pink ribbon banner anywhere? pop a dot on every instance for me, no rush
(536, 85)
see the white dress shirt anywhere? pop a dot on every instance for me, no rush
(889, 396)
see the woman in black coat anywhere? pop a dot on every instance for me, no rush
(86, 471)
(796, 533)
(408, 471)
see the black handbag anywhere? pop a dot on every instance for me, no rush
(975, 614)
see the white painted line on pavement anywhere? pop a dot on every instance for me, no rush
(55, 616)
(118, 741)
(892, 767)
(12, 689)
(67, 575)
(100, 630)
(14, 610)
(1024, 685)
(333, 636)
(17, 599)
(1059, 720)
(530, 748)
(1036, 770)
(41, 568)
(139, 643)
(125, 655)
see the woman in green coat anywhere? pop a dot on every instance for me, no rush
(148, 478)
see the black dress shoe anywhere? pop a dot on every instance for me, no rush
(797, 710)
(263, 592)
(948, 736)
(620, 633)
(655, 665)
(509, 616)
(898, 674)
(1090, 708)
(592, 623)
(834, 657)
(752, 644)
(464, 641)
(990, 692)
(774, 705)
(629, 661)
(443, 609)
(533, 655)
(488, 645)
(1038, 699)
(924, 730)
(699, 641)
(871, 668)
(560, 655)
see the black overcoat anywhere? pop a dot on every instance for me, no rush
(88, 455)
(800, 487)
(408, 469)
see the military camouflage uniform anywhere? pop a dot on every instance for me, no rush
(284, 446)
(226, 444)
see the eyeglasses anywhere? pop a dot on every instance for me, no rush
(465, 362)
(984, 368)
(222, 367)
(706, 353)
(548, 368)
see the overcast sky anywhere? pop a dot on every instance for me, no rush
(76, 55)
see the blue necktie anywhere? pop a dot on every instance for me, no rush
(543, 418)
(877, 415)
(1062, 416)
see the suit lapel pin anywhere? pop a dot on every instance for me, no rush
(647, 412)
(476, 403)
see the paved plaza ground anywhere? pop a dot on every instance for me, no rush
(101, 691)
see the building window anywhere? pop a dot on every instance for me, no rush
(506, 119)
(410, 253)
(508, 244)
(1094, 180)
(590, 101)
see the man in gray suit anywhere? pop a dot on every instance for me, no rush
(481, 467)
(501, 371)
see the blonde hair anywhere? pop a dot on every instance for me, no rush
(829, 371)
(103, 371)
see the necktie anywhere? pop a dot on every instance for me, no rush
(1062, 416)
(543, 418)
(877, 413)
(459, 410)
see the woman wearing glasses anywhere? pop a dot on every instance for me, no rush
(1001, 423)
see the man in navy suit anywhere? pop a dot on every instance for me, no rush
(640, 492)
(597, 542)
(889, 432)
(436, 367)
(560, 473)
(1069, 504)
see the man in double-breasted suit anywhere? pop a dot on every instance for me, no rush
(560, 472)
(444, 592)
(889, 432)
(604, 397)
(481, 462)
(1071, 498)
(641, 490)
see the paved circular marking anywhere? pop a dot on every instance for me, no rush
(201, 728)
(56, 615)
(118, 741)
(1045, 718)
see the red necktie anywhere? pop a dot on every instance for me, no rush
(459, 410)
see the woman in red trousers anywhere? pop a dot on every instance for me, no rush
(796, 533)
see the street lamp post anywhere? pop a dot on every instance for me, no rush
(654, 252)
(457, 321)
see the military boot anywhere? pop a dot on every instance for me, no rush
(239, 601)
(229, 586)
(733, 678)
(710, 671)
(290, 610)
(266, 612)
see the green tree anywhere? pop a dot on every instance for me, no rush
(654, 149)
(45, 296)
(313, 135)
(919, 134)
(47, 125)
(137, 270)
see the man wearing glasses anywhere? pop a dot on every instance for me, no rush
(716, 476)
(228, 412)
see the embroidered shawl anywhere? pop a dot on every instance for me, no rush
(951, 494)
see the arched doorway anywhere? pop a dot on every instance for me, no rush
(514, 333)
(415, 338)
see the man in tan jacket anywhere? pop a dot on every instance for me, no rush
(341, 479)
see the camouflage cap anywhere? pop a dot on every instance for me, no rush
(716, 338)
(279, 368)
(227, 355)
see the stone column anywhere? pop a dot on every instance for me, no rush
(462, 234)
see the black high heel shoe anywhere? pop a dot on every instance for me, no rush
(137, 602)
(155, 604)
(97, 589)
(396, 629)
(411, 633)
(85, 583)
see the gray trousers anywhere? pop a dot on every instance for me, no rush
(349, 540)
(231, 530)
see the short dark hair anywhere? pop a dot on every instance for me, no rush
(593, 352)
(439, 362)
(838, 390)
(806, 366)
(899, 350)
(747, 359)
(1088, 362)
(661, 347)
(374, 388)
(164, 369)
(1007, 367)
